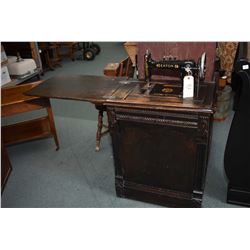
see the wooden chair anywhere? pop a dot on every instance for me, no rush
(100, 125)
(50, 56)
(71, 48)
(124, 68)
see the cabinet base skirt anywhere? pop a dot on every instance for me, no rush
(159, 196)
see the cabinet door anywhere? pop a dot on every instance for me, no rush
(157, 149)
(157, 155)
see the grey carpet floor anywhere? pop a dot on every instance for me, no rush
(77, 176)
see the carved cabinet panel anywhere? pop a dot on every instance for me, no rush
(160, 156)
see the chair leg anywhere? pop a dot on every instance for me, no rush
(52, 126)
(99, 130)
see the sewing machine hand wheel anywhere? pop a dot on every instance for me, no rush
(202, 65)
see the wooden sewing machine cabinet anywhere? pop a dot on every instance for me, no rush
(160, 144)
(161, 147)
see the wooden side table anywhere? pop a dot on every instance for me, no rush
(15, 102)
(49, 55)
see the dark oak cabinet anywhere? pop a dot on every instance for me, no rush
(160, 156)
(160, 143)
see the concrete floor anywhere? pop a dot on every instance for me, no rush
(77, 176)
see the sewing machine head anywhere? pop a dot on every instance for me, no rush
(182, 67)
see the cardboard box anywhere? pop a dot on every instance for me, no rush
(111, 69)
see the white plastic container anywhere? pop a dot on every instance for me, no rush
(22, 68)
(11, 59)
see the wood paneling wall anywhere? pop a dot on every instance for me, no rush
(180, 50)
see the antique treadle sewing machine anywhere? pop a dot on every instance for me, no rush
(190, 74)
(160, 129)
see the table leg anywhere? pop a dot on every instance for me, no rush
(99, 130)
(52, 126)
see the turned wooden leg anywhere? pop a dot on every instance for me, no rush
(99, 130)
(52, 125)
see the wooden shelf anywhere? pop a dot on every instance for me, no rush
(26, 131)
(11, 96)
(14, 101)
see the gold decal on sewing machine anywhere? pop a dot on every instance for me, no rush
(168, 66)
(167, 90)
